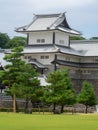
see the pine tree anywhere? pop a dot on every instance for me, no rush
(60, 92)
(87, 95)
(19, 76)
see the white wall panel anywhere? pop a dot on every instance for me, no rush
(62, 36)
(40, 35)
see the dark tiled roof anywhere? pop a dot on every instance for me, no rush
(76, 64)
(37, 63)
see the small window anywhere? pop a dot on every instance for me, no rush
(46, 57)
(72, 71)
(61, 41)
(38, 40)
(25, 57)
(29, 57)
(67, 58)
(42, 57)
(42, 40)
(86, 71)
(96, 60)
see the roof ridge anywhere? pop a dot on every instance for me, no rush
(46, 15)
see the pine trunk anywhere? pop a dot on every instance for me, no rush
(26, 106)
(62, 108)
(86, 109)
(14, 103)
(54, 107)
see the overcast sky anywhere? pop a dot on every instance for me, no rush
(82, 15)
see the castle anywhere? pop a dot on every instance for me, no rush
(49, 48)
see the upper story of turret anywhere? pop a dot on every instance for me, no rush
(48, 29)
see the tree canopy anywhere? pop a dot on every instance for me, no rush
(61, 91)
(87, 95)
(28, 83)
(19, 76)
(16, 41)
(4, 38)
(77, 38)
(11, 72)
(94, 38)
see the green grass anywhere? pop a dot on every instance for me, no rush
(11, 121)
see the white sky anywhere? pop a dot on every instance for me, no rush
(81, 14)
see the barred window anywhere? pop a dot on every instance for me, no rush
(40, 40)
(44, 57)
(61, 41)
(86, 71)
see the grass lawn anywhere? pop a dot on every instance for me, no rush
(11, 121)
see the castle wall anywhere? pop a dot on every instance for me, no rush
(43, 58)
(79, 76)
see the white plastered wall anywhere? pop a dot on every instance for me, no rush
(40, 35)
(61, 36)
(38, 57)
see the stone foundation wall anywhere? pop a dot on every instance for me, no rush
(77, 83)
(79, 77)
(6, 102)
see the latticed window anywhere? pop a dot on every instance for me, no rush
(40, 40)
(86, 71)
(44, 57)
(61, 41)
